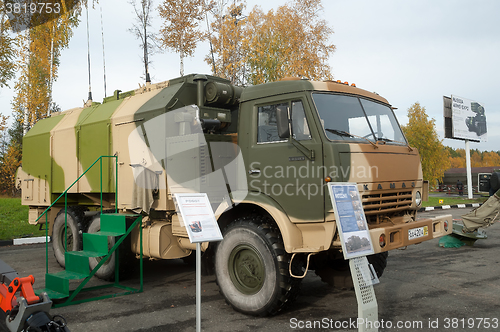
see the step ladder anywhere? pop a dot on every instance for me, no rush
(57, 285)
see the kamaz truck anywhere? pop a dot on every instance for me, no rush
(264, 155)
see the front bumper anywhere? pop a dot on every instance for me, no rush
(397, 236)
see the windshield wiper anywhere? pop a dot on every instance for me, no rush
(384, 139)
(346, 134)
(339, 132)
(393, 141)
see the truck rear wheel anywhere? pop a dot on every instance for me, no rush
(107, 270)
(73, 234)
(251, 266)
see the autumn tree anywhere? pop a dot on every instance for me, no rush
(7, 49)
(293, 41)
(484, 158)
(457, 162)
(141, 29)
(421, 133)
(265, 47)
(39, 57)
(11, 161)
(455, 157)
(39, 43)
(228, 56)
(4, 140)
(10, 157)
(38, 54)
(460, 153)
(181, 30)
(478, 158)
(491, 159)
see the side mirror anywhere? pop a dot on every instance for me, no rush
(283, 122)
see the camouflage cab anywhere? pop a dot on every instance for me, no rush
(263, 154)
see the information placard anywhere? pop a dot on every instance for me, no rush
(469, 119)
(198, 217)
(351, 220)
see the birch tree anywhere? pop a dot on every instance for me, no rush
(39, 42)
(38, 62)
(291, 41)
(7, 49)
(228, 55)
(142, 31)
(260, 47)
(181, 29)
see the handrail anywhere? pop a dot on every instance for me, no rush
(65, 194)
(117, 269)
(66, 191)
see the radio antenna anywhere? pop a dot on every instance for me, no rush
(51, 68)
(88, 53)
(103, 55)
(211, 48)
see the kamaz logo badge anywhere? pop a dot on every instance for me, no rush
(391, 186)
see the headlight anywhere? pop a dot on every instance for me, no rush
(418, 198)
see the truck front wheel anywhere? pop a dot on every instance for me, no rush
(337, 273)
(379, 262)
(251, 266)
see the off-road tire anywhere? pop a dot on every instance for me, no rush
(338, 274)
(379, 262)
(107, 270)
(251, 267)
(74, 232)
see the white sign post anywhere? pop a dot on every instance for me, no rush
(201, 225)
(356, 245)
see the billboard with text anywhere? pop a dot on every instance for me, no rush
(468, 119)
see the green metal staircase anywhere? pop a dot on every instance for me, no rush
(117, 225)
(57, 285)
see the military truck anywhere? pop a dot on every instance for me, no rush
(264, 155)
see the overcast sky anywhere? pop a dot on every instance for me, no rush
(407, 51)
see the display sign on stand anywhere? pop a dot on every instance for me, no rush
(198, 217)
(351, 220)
(356, 245)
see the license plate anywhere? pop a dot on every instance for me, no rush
(415, 233)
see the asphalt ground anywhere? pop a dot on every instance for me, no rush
(424, 288)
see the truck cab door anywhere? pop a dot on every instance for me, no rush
(280, 168)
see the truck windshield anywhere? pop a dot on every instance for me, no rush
(352, 118)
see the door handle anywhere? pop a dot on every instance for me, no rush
(254, 171)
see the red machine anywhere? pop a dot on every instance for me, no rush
(27, 312)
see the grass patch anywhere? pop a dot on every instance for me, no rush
(14, 220)
(434, 201)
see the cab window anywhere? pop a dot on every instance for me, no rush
(267, 126)
(300, 128)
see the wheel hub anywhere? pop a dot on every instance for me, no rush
(246, 269)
